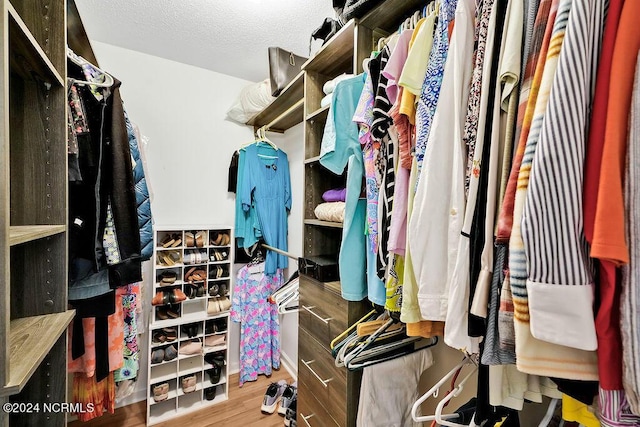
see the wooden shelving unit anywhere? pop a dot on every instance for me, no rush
(30, 340)
(320, 223)
(336, 56)
(319, 114)
(33, 208)
(389, 14)
(285, 111)
(26, 233)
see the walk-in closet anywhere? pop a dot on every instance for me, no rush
(320, 213)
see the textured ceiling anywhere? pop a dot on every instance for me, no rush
(227, 36)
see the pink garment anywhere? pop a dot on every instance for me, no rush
(398, 231)
(394, 66)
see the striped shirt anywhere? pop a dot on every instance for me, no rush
(535, 356)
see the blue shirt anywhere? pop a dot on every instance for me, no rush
(341, 149)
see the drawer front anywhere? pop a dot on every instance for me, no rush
(325, 381)
(322, 313)
(310, 412)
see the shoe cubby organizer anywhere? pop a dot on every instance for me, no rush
(189, 325)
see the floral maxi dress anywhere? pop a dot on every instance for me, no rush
(259, 325)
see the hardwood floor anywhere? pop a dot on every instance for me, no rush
(242, 409)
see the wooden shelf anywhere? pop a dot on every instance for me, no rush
(321, 223)
(26, 233)
(30, 340)
(311, 160)
(285, 111)
(27, 57)
(389, 14)
(319, 114)
(336, 56)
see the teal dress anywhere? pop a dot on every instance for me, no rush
(266, 185)
(341, 149)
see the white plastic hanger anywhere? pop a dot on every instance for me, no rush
(454, 393)
(435, 390)
(80, 61)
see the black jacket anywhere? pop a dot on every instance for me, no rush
(105, 166)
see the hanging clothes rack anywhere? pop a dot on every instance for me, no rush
(280, 251)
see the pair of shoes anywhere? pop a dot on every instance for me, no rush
(195, 275)
(165, 354)
(194, 290)
(214, 340)
(289, 395)
(218, 305)
(168, 258)
(214, 374)
(195, 257)
(215, 326)
(168, 312)
(165, 335)
(217, 272)
(219, 239)
(191, 347)
(215, 358)
(172, 296)
(210, 393)
(188, 384)
(195, 240)
(161, 392)
(191, 329)
(171, 241)
(218, 255)
(168, 277)
(218, 290)
(272, 396)
(290, 416)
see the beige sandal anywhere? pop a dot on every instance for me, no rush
(189, 384)
(161, 392)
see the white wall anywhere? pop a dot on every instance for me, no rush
(181, 109)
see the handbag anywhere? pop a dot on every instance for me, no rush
(283, 67)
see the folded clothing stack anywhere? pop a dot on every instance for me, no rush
(330, 211)
(330, 86)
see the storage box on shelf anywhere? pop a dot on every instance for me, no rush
(33, 208)
(188, 339)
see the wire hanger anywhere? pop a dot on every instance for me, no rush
(80, 61)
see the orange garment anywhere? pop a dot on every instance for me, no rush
(609, 229)
(96, 398)
(87, 362)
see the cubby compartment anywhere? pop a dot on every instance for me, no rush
(219, 255)
(219, 288)
(191, 330)
(163, 372)
(171, 258)
(163, 391)
(190, 401)
(318, 180)
(170, 239)
(219, 271)
(196, 239)
(190, 383)
(162, 411)
(190, 365)
(196, 257)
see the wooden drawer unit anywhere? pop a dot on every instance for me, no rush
(325, 381)
(310, 412)
(325, 315)
(323, 312)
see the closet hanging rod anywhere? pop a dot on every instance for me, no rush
(280, 251)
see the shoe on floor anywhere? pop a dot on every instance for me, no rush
(288, 395)
(290, 416)
(272, 396)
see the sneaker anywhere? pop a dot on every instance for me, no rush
(290, 416)
(288, 395)
(272, 396)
